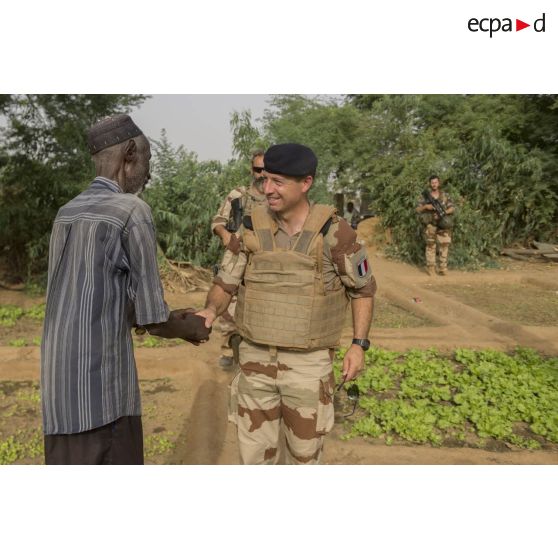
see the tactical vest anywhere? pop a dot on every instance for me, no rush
(282, 301)
(248, 202)
(429, 216)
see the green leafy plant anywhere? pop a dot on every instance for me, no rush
(9, 314)
(25, 444)
(36, 312)
(154, 342)
(157, 444)
(425, 397)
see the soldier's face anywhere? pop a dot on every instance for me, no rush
(435, 183)
(257, 171)
(283, 192)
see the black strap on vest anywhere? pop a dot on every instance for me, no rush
(247, 222)
(325, 229)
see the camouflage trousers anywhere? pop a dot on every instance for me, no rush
(282, 393)
(441, 237)
(227, 328)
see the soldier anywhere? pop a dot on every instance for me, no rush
(238, 203)
(351, 215)
(295, 266)
(438, 229)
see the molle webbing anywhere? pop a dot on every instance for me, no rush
(282, 302)
(262, 225)
(317, 220)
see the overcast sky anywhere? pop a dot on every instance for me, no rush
(198, 122)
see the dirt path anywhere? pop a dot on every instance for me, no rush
(462, 325)
(193, 406)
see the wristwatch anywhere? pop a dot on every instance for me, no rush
(364, 343)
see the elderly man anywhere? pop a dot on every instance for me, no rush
(236, 205)
(295, 266)
(102, 281)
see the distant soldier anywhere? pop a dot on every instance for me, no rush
(436, 212)
(351, 215)
(295, 267)
(238, 203)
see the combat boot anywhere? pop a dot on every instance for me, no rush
(431, 270)
(443, 271)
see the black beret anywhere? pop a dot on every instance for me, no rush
(291, 159)
(110, 131)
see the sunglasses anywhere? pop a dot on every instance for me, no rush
(258, 169)
(353, 394)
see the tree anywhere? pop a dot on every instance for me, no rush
(184, 195)
(246, 136)
(497, 154)
(44, 162)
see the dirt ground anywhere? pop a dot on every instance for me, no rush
(185, 391)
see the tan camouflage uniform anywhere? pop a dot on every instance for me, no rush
(225, 323)
(434, 235)
(291, 391)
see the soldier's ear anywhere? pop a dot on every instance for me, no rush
(307, 183)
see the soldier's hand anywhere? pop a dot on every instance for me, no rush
(209, 314)
(429, 207)
(353, 363)
(226, 238)
(194, 329)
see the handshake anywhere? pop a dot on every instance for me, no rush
(182, 324)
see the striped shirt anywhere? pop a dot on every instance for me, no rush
(102, 279)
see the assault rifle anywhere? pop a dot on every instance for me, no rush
(435, 204)
(235, 218)
(445, 221)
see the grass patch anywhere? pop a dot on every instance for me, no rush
(388, 315)
(522, 304)
(10, 314)
(24, 444)
(154, 342)
(158, 444)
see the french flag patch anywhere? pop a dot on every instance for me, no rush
(362, 267)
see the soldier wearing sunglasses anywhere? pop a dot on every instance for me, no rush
(238, 203)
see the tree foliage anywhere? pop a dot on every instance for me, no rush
(184, 196)
(44, 162)
(496, 154)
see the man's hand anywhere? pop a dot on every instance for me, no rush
(353, 363)
(209, 314)
(182, 324)
(181, 313)
(428, 207)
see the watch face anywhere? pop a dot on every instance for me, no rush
(364, 343)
